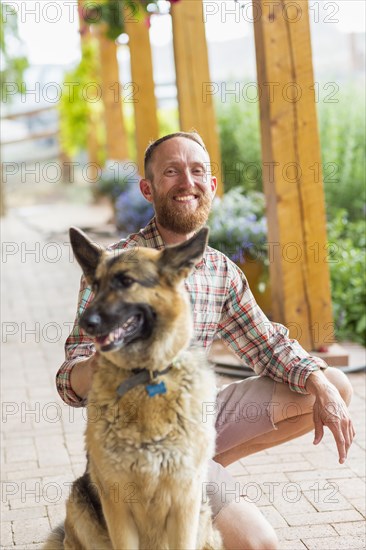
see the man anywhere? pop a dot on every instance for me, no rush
(180, 186)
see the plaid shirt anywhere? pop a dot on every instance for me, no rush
(223, 306)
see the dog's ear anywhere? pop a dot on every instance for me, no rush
(180, 260)
(87, 253)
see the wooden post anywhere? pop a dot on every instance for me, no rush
(92, 139)
(142, 86)
(112, 97)
(196, 109)
(292, 172)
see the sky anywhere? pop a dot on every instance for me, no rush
(49, 28)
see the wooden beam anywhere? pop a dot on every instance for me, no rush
(292, 173)
(196, 109)
(142, 86)
(112, 97)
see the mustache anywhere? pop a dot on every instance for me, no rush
(185, 191)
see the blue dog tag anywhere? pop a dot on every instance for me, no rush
(156, 389)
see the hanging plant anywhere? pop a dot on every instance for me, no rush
(75, 108)
(113, 13)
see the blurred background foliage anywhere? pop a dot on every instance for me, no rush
(347, 246)
(12, 66)
(342, 136)
(76, 112)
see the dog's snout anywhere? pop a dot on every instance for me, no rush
(91, 322)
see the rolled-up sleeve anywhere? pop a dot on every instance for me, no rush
(265, 346)
(78, 346)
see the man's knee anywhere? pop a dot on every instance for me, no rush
(243, 527)
(262, 541)
(341, 382)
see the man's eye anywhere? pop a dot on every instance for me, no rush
(122, 281)
(170, 172)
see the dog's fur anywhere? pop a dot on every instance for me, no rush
(147, 456)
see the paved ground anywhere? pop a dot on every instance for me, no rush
(311, 500)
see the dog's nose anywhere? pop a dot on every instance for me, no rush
(91, 322)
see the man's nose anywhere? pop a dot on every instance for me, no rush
(187, 178)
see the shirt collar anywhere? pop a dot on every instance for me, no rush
(152, 236)
(153, 239)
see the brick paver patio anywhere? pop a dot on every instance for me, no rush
(312, 501)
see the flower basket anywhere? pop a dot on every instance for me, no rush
(258, 278)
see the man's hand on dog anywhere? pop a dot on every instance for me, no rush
(330, 410)
(82, 375)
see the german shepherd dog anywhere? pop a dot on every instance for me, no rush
(147, 442)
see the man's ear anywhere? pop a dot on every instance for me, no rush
(87, 253)
(213, 185)
(145, 188)
(178, 261)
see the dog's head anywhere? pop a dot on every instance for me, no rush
(140, 305)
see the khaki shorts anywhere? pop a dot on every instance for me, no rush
(243, 412)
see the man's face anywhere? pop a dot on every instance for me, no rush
(182, 187)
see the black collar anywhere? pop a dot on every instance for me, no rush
(141, 376)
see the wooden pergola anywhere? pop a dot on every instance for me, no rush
(297, 238)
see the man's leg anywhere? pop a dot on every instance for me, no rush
(292, 415)
(240, 523)
(243, 527)
(242, 414)
(291, 422)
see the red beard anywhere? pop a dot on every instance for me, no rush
(174, 217)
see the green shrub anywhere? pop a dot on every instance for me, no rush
(240, 145)
(342, 136)
(347, 271)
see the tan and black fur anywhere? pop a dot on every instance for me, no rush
(147, 456)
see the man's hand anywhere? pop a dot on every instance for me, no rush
(82, 375)
(330, 410)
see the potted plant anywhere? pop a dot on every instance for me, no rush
(238, 228)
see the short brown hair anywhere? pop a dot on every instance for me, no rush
(194, 136)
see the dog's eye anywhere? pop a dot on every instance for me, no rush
(120, 280)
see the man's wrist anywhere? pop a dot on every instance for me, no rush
(316, 382)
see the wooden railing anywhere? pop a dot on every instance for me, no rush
(31, 136)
